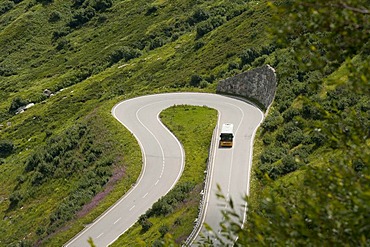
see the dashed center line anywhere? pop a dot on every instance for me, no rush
(100, 235)
(145, 195)
(156, 182)
(117, 221)
(132, 208)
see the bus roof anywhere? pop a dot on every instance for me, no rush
(227, 128)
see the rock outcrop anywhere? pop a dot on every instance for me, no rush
(257, 85)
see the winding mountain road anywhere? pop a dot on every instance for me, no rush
(163, 161)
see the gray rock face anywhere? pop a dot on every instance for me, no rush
(258, 85)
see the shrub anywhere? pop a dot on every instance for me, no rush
(199, 44)
(16, 103)
(216, 21)
(55, 16)
(312, 111)
(44, 1)
(233, 65)
(77, 3)
(288, 165)
(156, 42)
(126, 53)
(6, 71)
(152, 9)
(60, 33)
(63, 44)
(272, 154)
(82, 16)
(272, 121)
(6, 148)
(15, 198)
(290, 113)
(294, 138)
(203, 28)
(5, 6)
(158, 243)
(248, 56)
(203, 84)
(198, 16)
(145, 223)
(163, 230)
(195, 80)
(100, 5)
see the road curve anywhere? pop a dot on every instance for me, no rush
(163, 161)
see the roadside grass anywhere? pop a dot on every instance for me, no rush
(128, 154)
(193, 126)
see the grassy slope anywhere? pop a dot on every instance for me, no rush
(94, 86)
(25, 29)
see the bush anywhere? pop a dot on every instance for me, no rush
(81, 17)
(6, 148)
(55, 16)
(126, 53)
(290, 113)
(203, 84)
(5, 6)
(195, 80)
(6, 71)
(44, 1)
(203, 28)
(248, 56)
(145, 223)
(288, 165)
(16, 103)
(312, 111)
(216, 21)
(156, 42)
(100, 5)
(63, 44)
(60, 33)
(198, 16)
(15, 198)
(199, 44)
(272, 121)
(272, 154)
(295, 138)
(163, 230)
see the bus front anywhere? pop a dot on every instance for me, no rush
(227, 135)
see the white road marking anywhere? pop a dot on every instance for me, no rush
(132, 208)
(156, 182)
(145, 195)
(116, 221)
(100, 235)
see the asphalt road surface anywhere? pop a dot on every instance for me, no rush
(163, 161)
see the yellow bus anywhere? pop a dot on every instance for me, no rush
(227, 135)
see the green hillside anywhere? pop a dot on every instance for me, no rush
(65, 160)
